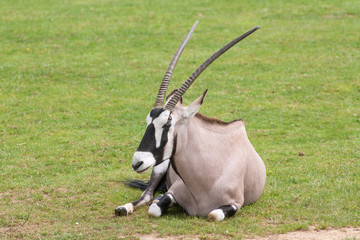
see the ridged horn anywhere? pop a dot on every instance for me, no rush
(166, 80)
(173, 101)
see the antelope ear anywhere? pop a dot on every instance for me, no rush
(171, 95)
(194, 107)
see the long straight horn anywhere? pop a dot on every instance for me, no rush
(165, 82)
(173, 101)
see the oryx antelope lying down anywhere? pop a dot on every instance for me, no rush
(210, 167)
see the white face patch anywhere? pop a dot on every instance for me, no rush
(148, 120)
(147, 159)
(168, 149)
(159, 122)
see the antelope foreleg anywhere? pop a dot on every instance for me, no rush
(156, 178)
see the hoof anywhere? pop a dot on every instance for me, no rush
(217, 215)
(154, 210)
(121, 211)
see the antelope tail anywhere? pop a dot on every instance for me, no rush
(134, 183)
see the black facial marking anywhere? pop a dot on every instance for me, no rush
(156, 112)
(172, 162)
(148, 143)
(159, 152)
(168, 123)
(164, 137)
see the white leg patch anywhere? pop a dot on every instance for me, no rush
(158, 124)
(124, 210)
(234, 207)
(154, 210)
(216, 215)
(129, 207)
(172, 199)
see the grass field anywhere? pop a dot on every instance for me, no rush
(77, 79)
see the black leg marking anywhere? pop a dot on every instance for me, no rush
(222, 212)
(157, 199)
(157, 209)
(229, 210)
(164, 203)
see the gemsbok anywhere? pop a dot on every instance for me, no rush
(210, 167)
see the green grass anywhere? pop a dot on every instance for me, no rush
(77, 79)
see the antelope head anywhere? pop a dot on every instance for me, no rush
(159, 141)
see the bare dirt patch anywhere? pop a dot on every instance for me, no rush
(150, 237)
(311, 234)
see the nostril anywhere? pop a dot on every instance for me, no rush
(137, 165)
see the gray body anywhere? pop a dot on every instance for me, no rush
(217, 164)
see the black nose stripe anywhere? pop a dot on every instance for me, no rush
(147, 144)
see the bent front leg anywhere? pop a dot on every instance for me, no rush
(157, 176)
(157, 209)
(223, 212)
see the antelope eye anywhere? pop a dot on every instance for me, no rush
(168, 123)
